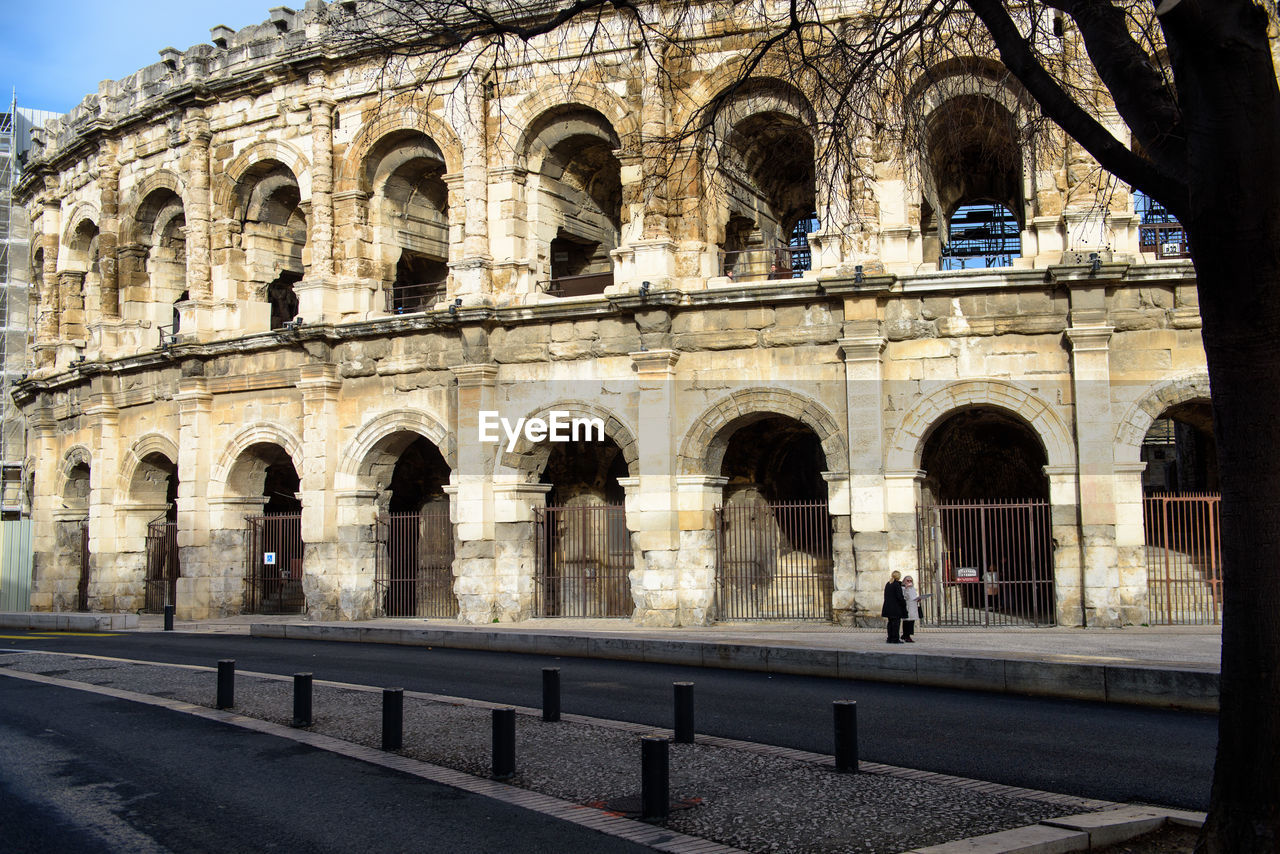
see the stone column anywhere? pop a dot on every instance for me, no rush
(471, 272)
(902, 508)
(212, 572)
(864, 396)
(335, 589)
(48, 582)
(317, 292)
(197, 207)
(508, 239)
(71, 302)
(1131, 550)
(48, 326)
(1095, 436)
(109, 232)
(515, 504)
(651, 502)
(697, 498)
(482, 596)
(844, 565)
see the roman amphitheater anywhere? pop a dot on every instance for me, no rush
(278, 298)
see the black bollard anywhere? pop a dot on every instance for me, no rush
(655, 782)
(550, 694)
(392, 718)
(302, 699)
(846, 717)
(504, 743)
(168, 618)
(684, 712)
(226, 683)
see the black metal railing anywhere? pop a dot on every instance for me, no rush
(773, 561)
(274, 564)
(163, 568)
(588, 284)
(778, 263)
(583, 563)
(1168, 240)
(413, 574)
(406, 299)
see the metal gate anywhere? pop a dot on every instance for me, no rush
(274, 564)
(15, 565)
(414, 568)
(82, 588)
(987, 563)
(162, 565)
(773, 561)
(584, 559)
(1184, 558)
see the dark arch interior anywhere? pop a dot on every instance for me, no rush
(983, 454)
(585, 468)
(280, 486)
(779, 455)
(419, 477)
(1180, 451)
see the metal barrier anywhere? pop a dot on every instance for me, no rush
(1184, 558)
(1164, 240)
(777, 263)
(413, 573)
(163, 568)
(773, 561)
(588, 284)
(584, 560)
(987, 563)
(274, 564)
(82, 588)
(15, 565)
(406, 299)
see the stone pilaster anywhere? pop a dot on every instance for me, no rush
(116, 580)
(49, 579)
(1070, 581)
(108, 232)
(482, 595)
(844, 563)
(697, 498)
(652, 515)
(49, 325)
(515, 504)
(317, 292)
(335, 588)
(1131, 551)
(1095, 432)
(212, 566)
(471, 273)
(902, 496)
(197, 207)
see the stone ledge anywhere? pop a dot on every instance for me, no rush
(63, 621)
(1033, 839)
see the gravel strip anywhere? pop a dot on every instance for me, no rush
(744, 799)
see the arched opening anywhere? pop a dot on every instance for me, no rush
(410, 208)
(273, 237)
(768, 175)
(73, 532)
(584, 551)
(579, 200)
(274, 548)
(154, 492)
(774, 546)
(973, 209)
(83, 263)
(154, 277)
(1181, 516)
(1159, 232)
(415, 535)
(987, 549)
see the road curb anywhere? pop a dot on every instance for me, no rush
(1138, 685)
(1085, 832)
(63, 621)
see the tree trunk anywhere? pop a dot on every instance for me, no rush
(1231, 105)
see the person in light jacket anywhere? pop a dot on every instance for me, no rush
(895, 606)
(912, 596)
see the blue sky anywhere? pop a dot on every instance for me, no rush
(55, 53)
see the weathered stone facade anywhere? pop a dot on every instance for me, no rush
(231, 279)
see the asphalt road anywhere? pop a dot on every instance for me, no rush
(1094, 750)
(89, 774)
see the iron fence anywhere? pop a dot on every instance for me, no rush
(1184, 558)
(163, 568)
(584, 560)
(987, 563)
(406, 299)
(413, 575)
(588, 284)
(776, 263)
(773, 561)
(82, 588)
(274, 564)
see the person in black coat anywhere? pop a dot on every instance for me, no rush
(895, 606)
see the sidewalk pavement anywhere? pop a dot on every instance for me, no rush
(1151, 666)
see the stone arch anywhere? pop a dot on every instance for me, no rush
(162, 179)
(727, 79)
(392, 117)
(260, 433)
(151, 443)
(524, 119)
(703, 447)
(968, 75)
(81, 212)
(530, 459)
(77, 456)
(225, 183)
(359, 458)
(1154, 401)
(909, 438)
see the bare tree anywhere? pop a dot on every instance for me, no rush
(1194, 85)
